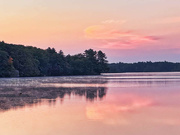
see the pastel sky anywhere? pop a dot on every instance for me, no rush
(126, 30)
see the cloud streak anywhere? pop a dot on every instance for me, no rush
(111, 38)
(114, 21)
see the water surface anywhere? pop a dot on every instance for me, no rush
(110, 104)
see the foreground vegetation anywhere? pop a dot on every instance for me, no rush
(19, 60)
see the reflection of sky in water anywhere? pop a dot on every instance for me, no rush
(90, 105)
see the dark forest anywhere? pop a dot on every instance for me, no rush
(26, 61)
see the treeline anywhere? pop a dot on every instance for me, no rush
(144, 67)
(25, 61)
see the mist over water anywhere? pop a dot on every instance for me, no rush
(127, 103)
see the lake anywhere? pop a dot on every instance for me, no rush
(109, 104)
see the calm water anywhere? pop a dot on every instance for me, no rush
(110, 104)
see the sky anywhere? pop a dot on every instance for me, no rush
(126, 30)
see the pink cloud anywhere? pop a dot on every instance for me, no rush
(151, 38)
(116, 44)
(108, 37)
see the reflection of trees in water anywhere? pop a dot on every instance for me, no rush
(92, 94)
(20, 97)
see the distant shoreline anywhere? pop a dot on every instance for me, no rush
(144, 67)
